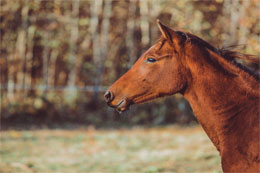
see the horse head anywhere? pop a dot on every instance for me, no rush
(160, 71)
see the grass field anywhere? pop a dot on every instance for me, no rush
(166, 149)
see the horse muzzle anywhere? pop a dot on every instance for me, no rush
(121, 105)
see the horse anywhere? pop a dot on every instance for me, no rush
(223, 94)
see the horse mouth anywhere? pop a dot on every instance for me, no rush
(122, 106)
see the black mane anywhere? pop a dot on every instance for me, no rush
(230, 55)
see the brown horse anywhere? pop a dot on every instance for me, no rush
(223, 94)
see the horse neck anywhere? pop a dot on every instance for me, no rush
(221, 96)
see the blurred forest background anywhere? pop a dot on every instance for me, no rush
(57, 57)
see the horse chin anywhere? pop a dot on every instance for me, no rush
(123, 106)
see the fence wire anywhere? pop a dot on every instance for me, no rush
(88, 88)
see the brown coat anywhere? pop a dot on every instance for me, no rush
(223, 94)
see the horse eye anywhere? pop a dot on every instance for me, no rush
(150, 60)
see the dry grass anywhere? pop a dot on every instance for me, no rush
(167, 149)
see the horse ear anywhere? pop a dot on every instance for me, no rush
(168, 33)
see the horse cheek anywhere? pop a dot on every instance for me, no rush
(177, 81)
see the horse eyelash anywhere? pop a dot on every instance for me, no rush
(152, 60)
(157, 58)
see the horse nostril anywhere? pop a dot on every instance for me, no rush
(108, 96)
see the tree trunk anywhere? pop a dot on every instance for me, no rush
(144, 23)
(104, 43)
(28, 58)
(45, 61)
(95, 8)
(73, 58)
(243, 28)
(130, 32)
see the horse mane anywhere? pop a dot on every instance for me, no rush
(230, 54)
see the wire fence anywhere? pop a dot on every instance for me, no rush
(88, 88)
